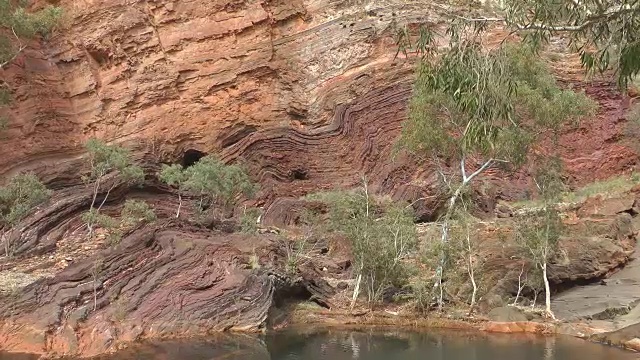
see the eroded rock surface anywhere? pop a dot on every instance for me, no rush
(306, 93)
(170, 279)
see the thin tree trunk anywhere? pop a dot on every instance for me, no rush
(96, 187)
(547, 292)
(179, 205)
(356, 290)
(445, 224)
(520, 286)
(535, 298)
(471, 274)
(106, 196)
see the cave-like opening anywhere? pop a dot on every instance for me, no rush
(299, 174)
(191, 157)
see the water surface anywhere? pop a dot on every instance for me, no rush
(372, 345)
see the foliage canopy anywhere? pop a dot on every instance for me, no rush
(606, 33)
(487, 103)
(17, 199)
(216, 182)
(104, 158)
(382, 237)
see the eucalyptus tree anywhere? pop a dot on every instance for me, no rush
(107, 159)
(17, 199)
(20, 23)
(17, 23)
(174, 175)
(538, 233)
(212, 181)
(604, 33)
(485, 106)
(382, 236)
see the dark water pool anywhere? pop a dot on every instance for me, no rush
(374, 345)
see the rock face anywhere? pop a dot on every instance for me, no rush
(167, 280)
(306, 93)
(507, 314)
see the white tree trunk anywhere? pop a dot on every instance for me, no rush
(471, 272)
(179, 205)
(96, 187)
(445, 223)
(547, 292)
(520, 286)
(106, 196)
(535, 299)
(356, 290)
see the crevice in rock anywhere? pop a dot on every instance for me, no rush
(299, 174)
(287, 293)
(192, 156)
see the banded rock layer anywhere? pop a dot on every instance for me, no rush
(305, 92)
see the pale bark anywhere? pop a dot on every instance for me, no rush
(356, 290)
(520, 286)
(547, 292)
(179, 205)
(471, 273)
(444, 239)
(106, 196)
(20, 48)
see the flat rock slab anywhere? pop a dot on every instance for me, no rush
(613, 298)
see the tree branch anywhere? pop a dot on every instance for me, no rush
(20, 48)
(603, 15)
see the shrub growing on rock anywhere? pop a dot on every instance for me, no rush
(133, 213)
(136, 211)
(17, 199)
(382, 237)
(103, 160)
(211, 181)
(18, 23)
(174, 175)
(250, 220)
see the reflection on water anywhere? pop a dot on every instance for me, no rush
(374, 345)
(435, 346)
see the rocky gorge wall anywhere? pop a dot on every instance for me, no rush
(306, 93)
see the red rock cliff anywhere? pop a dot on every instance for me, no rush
(306, 92)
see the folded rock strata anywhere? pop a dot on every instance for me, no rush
(306, 93)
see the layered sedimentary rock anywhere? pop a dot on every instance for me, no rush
(307, 93)
(169, 279)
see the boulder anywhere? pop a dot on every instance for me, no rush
(507, 314)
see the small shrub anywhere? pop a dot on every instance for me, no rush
(249, 221)
(297, 252)
(217, 183)
(135, 212)
(422, 295)
(382, 237)
(17, 200)
(104, 159)
(5, 96)
(254, 261)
